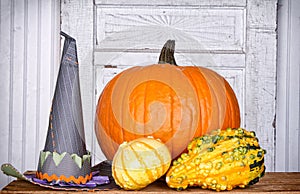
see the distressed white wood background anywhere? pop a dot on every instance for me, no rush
(29, 53)
(237, 38)
(288, 88)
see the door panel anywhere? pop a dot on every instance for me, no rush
(236, 38)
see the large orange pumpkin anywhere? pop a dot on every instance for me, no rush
(169, 102)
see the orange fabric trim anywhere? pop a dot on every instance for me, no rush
(54, 177)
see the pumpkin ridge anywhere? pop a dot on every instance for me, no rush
(228, 110)
(221, 109)
(230, 113)
(155, 151)
(130, 115)
(126, 171)
(173, 130)
(190, 77)
(145, 106)
(214, 82)
(233, 101)
(100, 123)
(207, 110)
(218, 108)
(148, 172)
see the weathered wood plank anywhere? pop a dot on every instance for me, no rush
(261, 74)
(17, 73)
(30, 85)
(5, 94)
(27, 57)
(39, 65)
(44, 71)
(262, 14)
(208, 3)
(275, 183)
(193, 29)
(124, 58)
(260, 89)
(288, 90)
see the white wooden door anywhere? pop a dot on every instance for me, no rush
(236, 38)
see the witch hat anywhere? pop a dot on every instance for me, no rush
(65, 157)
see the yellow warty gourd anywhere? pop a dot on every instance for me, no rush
(140, 162)
(221, 160)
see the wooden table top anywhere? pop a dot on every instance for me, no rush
(272, 182)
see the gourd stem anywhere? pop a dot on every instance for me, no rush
(167, 53)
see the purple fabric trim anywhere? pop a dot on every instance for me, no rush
(94, 182)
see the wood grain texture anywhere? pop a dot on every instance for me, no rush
(5, 67)
(275, 183)
(288, 90)
(207, 3)
(29, 60)
(261, 74)
(148, 27)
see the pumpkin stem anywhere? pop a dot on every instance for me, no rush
(167, 53)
